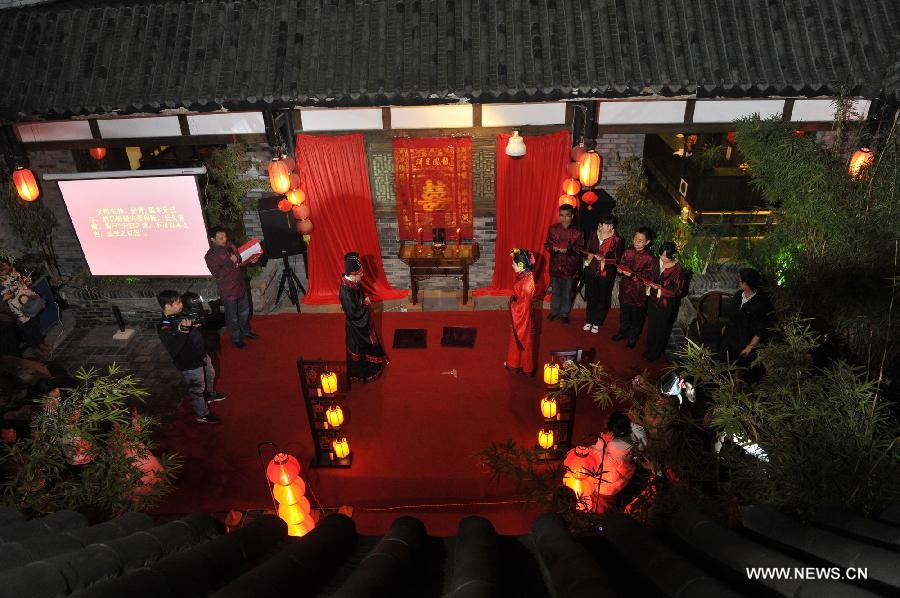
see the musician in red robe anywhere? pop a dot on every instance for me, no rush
(666, 291)
(520, 355)
(604, 248)
(636, 265)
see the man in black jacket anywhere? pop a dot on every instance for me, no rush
(749, 320)
(183, 339)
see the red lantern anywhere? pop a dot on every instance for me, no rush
(583, 466)
(296, 196)
(282, 469)
(97, 153)
(860, 162)
(25, 184)
(730, 136)
(589, 198)
(577, 152)
(301, 212)
(304, 227)
(799, 133)
(590, 169)
(572, 170)
(284, 205)
(568, 200)
(295, 181)
(689, 143)
(571, 187)
(279, 175)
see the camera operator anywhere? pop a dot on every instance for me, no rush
(224, 263)
(182, 337)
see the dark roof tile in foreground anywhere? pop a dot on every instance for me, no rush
(100, 56)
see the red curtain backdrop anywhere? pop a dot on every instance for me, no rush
(434, 186)
(334, 174)
(528, 191)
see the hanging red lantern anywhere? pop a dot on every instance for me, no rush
(578, 152)
(730, 137)
(304, 227)
(296, 196)
(572, 170)
(97, 153)
(279, 175)
(290, 494)
(860, 162)
(25, 183)
(799, 133)
(568, 200)
(284, 205)
(590, 169)
(583, 465)
(289, 162)
(589, 198)
(689, 142)
(571, 187)
(301, 212)
(295, 180)
(283, 469)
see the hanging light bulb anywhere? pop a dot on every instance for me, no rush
(515, 147)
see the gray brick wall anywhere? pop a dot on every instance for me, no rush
(611, 146)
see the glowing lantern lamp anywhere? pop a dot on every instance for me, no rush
(292, 514)
(334, 415)
(26, 185)
(551, 373)
(296, 196)
(589, 198)
(860, 162)
(590, 168)
(280, 175)
(302, 528)
(304, 227)
(545, 438)
(329, 382)
(283, 469)
(284, 205)
(730, 136)
(301, 212)
(341, 448)
(290, 494)
(571, 187)
(548, 407)
(572, 170)
(97, 153)
(568, 200)
(583, 466)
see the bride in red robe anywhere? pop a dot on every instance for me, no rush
(520, 356)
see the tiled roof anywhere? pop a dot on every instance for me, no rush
(60, 554)
(99, 56)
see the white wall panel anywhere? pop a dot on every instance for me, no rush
(725, 111)
(514, 115)
(341, 119)
(431, 117)
(63, 130)
(154, 126)
(232, 123)
(644, 112)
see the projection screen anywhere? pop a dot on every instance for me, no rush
(142, 226)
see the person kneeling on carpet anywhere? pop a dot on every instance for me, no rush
(365, 357)
(183, 339)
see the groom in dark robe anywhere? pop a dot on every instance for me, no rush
(365, 357)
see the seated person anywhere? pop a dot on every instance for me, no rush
(25, 304)
(616, 449)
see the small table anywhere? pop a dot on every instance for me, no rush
(426, 261)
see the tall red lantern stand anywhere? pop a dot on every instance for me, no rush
(556, 408)
(324, 386)
(287, 489)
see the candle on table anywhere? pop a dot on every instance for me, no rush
(459, 236)
(420, 236)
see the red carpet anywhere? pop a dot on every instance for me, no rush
(414, 433)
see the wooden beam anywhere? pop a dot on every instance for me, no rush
(476, 115)
(298, 120)
(386, 118)
(788, 110)
(570, 113)
(95, 128)
(147, 142)
(694, 128)
(689, 107)
(184, 124)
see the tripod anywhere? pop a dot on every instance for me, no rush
(289, 282)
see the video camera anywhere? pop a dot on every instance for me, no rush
(192, 309)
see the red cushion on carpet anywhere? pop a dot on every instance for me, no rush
(414, 433)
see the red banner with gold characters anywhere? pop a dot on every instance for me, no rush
(434, 187)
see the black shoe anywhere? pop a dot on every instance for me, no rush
(215, 398)
(631, 343)
(565, 319)
(553, 317)
(210, 418)
(239, 344)
(617, 337)
(251, 335)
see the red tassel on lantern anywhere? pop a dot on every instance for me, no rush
(25, 183)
